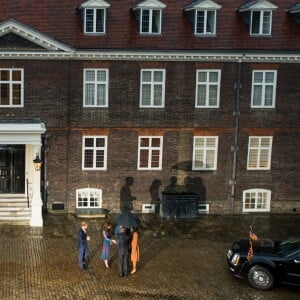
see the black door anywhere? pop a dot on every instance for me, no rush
(12, 169)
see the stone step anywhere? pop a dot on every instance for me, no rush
(14, 208)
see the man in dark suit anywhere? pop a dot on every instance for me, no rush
(123, 241)
(83, 250)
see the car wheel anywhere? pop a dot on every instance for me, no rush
(260, 278)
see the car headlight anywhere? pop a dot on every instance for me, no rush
(235, 259)
(229, 253)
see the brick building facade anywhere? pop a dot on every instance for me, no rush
(204, 91)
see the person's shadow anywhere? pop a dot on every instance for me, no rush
(126, 198)
(154, 193)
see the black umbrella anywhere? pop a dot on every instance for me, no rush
(127, 219)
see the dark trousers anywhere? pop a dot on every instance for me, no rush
(82, 255)
(123, 262)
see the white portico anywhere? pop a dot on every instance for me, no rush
(20, 182)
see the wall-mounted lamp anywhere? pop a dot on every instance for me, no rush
(37, 163)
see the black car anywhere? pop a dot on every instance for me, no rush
(272, 261)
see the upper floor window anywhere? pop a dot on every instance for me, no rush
(294, 11)
(94, 153)
(152, 91)
(205, 153)
(94, 16)
(258, 15)
(11, 87)
(95, 88)
(259, 153)
(149, 16)
(150, 153)
(208, 88)
(256, 200)
(263, 89)
(203, 15)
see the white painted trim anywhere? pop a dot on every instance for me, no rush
(28, 33)
(94, 4)
(155, 4)
(21, 133)
(203, 5)
(154, 56)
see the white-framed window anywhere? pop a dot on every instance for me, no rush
(94, 153)
(205, 152)
(88, 198)
(261, 22)
(11, 87)
(208, 88)
(205, 22)
(258, 16)
(263, 89)
(94, 16)
(203, 15)
(259, 153)
(95, 88)
(152, 90)
(150, 153)
(149, 16)
(256, 200)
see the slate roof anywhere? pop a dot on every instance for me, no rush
(62, 22)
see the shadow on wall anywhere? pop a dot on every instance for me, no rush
(126, 197)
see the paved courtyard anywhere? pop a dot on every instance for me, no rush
(180, 259)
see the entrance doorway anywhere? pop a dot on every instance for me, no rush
(12, 169)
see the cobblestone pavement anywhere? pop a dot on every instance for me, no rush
(180, 259)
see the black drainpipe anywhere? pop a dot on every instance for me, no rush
(234, 148)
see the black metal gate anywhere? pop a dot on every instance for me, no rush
(12, 169)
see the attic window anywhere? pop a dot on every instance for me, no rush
(258, 16)
(94, 16)
(294, 11)
(149, 16)
(203, 15)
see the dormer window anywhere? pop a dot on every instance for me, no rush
(203, 15)
(258, 15)
(294, 11)
(94, 16)
(149, 16)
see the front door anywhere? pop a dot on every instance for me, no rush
(12, 169)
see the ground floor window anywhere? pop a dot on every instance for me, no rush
(88, 198)
(256, 200)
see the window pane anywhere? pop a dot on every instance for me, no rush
(4, 75)
(4, 94)
(100, 142)
(155, 142)
(146, 76)
(99, 158)
(100, 20)
(155, 159)
(210, 142)
(89, 94)
(144, 142)
(88, 142)
(210, 155)
(156, 21)
(88, 158)
(89, 17)
(265, 142)
(200, 22)
(253, 155)
(90, 75)
(269, 77)
(258, 77)
(266, 22)
(255, 22)
(158, 76)
(16, 75)
(199, 157)
(101, 94)
(257, 95)
(202, 76)
(146, 94)
(210, 26)
(264, 158)
(145, 20)
(157, 95)
(269, 96)
(213, 95)
(144, 158)
(201, 95)
(16, 94)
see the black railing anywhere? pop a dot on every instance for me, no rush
(27, 185)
